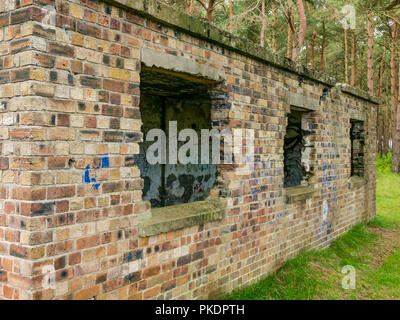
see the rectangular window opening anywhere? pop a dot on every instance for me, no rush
(297, 150)
(167, 97)
(357, 148)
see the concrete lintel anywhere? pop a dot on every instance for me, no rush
(152, 58)
(302, 101)
(357, 115)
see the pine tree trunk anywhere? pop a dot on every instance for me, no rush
(263, 24)
(323, 66)
(274, 43)
(314, 35)
(210, 10)
(307, 54)
(346, 58)
(289, 43)
(380, 119)
(191, 7)
(362, 70)
(387, 117)
(370, 53)
(298, 40)
(353, 59)
(231, 16)
(393, 104)
(396, 134)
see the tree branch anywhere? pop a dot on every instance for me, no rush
(392, 5)
(202, 4)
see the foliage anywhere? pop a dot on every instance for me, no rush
(384, 164)
(247, 20)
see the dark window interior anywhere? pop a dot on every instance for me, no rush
(357, 148)
(294, 145)
(166, 97)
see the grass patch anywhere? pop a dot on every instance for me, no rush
(384, 164)
(373, 249)
(293, 276)
(388, 199)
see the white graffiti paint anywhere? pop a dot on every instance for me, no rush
(325, 210)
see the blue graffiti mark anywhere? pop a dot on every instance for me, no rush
(86, 177)
(253, 190)
(325, 229)
(329, 191)
(89, 176)
(96, 186)
(105, 162)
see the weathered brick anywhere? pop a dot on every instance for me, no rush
(113, 136)
(88, 30)
(20, 75)
(27, 14)
(57, 162)
(20, 45)
(62, 105)
(114, 85)
(4, 19)
(37, 209)
(112, 111)
(60, 192)
(86, 294)
(61, 49)
(4, 77)
(91, 82)
(43, 32)
(61, 134)
(44, 60)
(76, 67)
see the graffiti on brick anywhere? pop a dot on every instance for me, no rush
(89, 176)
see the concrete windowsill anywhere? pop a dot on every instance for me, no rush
(181, 216)
(356, 182)
(300, 193)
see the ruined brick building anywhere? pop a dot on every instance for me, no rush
(83, 216)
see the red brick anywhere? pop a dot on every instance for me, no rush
(60, 192)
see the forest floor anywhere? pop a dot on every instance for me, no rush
(372, 249)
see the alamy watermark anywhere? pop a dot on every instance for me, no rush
(49, 278)
(349, 280)
(50, 21)
(349, 21)
(238, 147)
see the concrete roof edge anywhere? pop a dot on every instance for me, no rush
(166, 15)
(357, 92)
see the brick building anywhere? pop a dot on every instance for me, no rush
(83, 216)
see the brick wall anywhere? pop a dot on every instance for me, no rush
(71, 194)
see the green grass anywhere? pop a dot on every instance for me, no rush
(388, 199)
(373, 249)
(384, 164)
